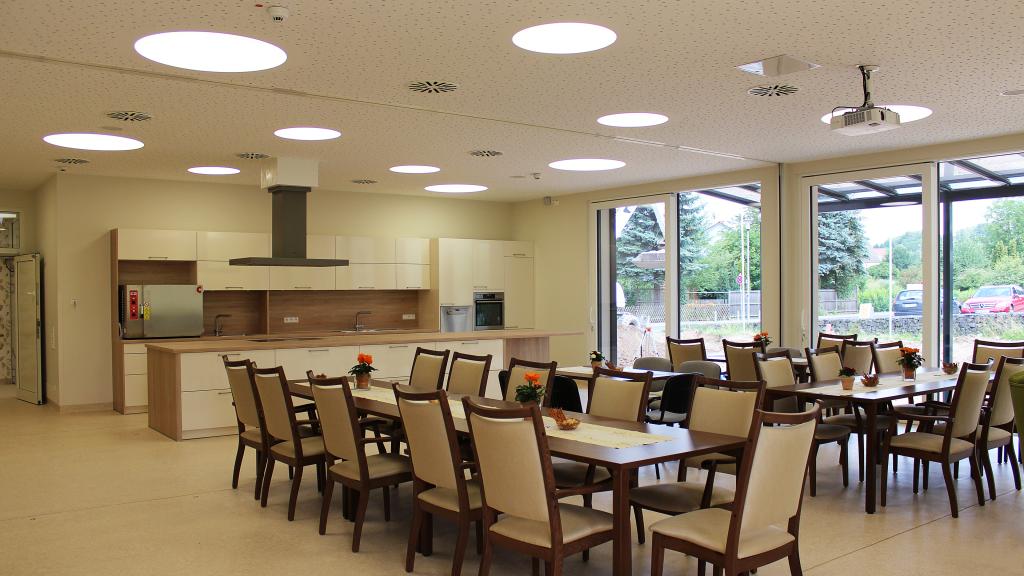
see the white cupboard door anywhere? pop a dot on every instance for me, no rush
(365, 249)
(134, 244)
(330, 361)
(205, 370)
(366, 277)
(392, 360)
(223, 246)
(412, 251)
(519, 293)
(207, 409)
(306, 277)
(496, 349)
(136, 390)
(488, 267)
(214, 275)
(412, 276)
(518, 249)
(455, 272)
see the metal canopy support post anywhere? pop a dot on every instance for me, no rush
(947, 277)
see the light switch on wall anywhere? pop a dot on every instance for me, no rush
(408, 316)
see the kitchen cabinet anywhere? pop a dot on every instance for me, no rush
(206, 413)
(305, 277)
(223, 246)
(219, 275)
(331, 361)
(412, 276)
(519, 292)
(412, 251)
(488, 266)
(455, 271)
(137, 244)
(496, 348)
(136, 393)
(365, 249)
(365, 277)
(205, 370)
(518, 249)
(394, 361)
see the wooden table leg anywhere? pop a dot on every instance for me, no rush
(871, 456)
(622, 553)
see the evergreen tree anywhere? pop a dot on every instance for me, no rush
(841, 251)
(692, 239)
(640, 234)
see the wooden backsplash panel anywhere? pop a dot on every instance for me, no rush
(155, 272)
(247, 310)
(336, 309)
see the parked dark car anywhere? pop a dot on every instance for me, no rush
(908, 303)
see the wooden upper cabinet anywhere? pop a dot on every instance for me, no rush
(365, 249)
(223, 246)
(307, 277)
(136, 244)
(412, 251)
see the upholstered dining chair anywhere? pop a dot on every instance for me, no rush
(517, 370)
(287, 445)
(349, 465)
(468, 374)
(729, 410)
(719, 422)
(428, 367)
(515, 470)
(994, 350)
(565, 394)
(685, 350)
(763, 525)
(675, 401)
(997, 423)
(706, 368)
(956, 441)
(886, 355)
(654, 363)
(247, 413)
(829, 340)
(739, 359)
(440, 487)
(857, 355)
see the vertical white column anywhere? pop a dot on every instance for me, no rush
(930, 263)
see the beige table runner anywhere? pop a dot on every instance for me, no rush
(884, 383)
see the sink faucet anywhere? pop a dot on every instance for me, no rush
(218, 330)
(358, 314)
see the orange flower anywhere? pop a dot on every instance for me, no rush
(532, 378)
(364, 359)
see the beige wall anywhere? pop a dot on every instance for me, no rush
(90, 206)
(25, 203)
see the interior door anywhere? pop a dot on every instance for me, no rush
(28, 330)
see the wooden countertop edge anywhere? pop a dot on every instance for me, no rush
(298, 341)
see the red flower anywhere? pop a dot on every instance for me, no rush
(364, 359)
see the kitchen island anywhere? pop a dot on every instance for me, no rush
(188, 390)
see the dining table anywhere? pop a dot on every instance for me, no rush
(871, 400)
(620, 446)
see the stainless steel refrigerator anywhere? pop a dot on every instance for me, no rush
(160, 310)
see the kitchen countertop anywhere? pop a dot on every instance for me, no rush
(312, 340)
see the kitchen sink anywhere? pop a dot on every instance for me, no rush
(285, 338)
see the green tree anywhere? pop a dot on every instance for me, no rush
(692, 238)
(723, 260)
(640, 234)
(841, 251)
(1005, 228)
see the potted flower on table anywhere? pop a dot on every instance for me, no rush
(846, 375)
(910, 359)
(362, 371)
(531, 390)
(596, 358)
(763, 339)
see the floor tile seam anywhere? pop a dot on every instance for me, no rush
(110, 505)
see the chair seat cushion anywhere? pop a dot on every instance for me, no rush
(448, 498)
(311, 446)
(709, 529)
(577, 522)
(698, 461)
(830, 432)
(377, 466)
(252, 435)
(994, 434)
(668, 418)
(677, 497)
(927, 442)
(573, 474)
(850, 421)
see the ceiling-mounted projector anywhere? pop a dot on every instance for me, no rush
(866, 118)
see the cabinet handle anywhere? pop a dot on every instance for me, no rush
(474, 342)
(398, 346)
(479, 286)
(229, 354)
(520, 255)
(413, 287)
(224, 393)
(508, 327)
(157, 257)
(366, 287)
(302, 287)
(319, 350)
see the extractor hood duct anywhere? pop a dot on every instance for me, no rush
(288, 211)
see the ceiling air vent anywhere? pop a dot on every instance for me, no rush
(773, 90)
(129, 116)
(252, 155)
(432, 87)
(485, 153)
(364, 181)
(73, 161)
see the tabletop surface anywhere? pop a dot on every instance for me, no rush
(588, 372)
(813, 390)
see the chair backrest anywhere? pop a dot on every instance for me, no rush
(724, 406)
(428, 368)
(620, 395)
(338, 418)
(656, 363)
(705, 368)
(430, 432)
(968, 397)
(770, 484)
(775, 369)
(824, 363)
(515, 464)
(242, 392)
(985, 349)
(1002, 402)
(565, 394)
(886, 356)
(829, 340)
(276, 402)
(469, 374)
(739, 359)
(517, 370)
(677, 394)
(857, 355)
(685, 350)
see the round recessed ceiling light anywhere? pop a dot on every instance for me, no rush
(564, 38)
(85, 141)
(907, 112)
(455, 188)
(414, 169)
(1012, 93)
(214, 170)
(210, 51)
(587, 164)
(632, 119)
(307, 133)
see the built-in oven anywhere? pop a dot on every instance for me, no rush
(488, 310)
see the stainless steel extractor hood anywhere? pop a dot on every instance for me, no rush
(288, 232)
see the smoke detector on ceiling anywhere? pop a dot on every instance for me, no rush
(866, 118)
(252, 155)
(773, 90)
(278, 13)
(129, 116)
(485, 153)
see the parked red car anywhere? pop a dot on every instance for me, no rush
(995, 299)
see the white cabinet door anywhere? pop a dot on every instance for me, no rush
(455, 272)
(412, 276)
(305, 277)
(219, 275)
(392, 360)
(331, 361)
(223, 246)
(519, 293)
(488, 267)
(496, 348)
(412, 251)
(205, 370)
(135, 363)
(518, 249)
(136, 390)
(207, 409)
(365, 277)
(365, 250)
(135, 244)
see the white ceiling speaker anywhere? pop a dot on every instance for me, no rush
(278, 13)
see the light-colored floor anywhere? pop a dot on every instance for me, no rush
(102, 494)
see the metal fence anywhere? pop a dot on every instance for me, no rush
(727, 306)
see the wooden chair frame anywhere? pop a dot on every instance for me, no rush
(1006, 444)
(993, 344)
(884, 346)
(756, 346)
(261, 447)
(551, 367)
(486, 359)
(437, 354)
(822, 335)
(859, 344)
(685, 342)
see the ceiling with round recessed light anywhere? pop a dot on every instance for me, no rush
(210, 51)
(348, 69)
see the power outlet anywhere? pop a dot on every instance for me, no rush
(291, 319)
(408, 316)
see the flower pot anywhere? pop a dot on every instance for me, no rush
(595, 364)
(363, 381)
(847, 382)
(909, 374)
